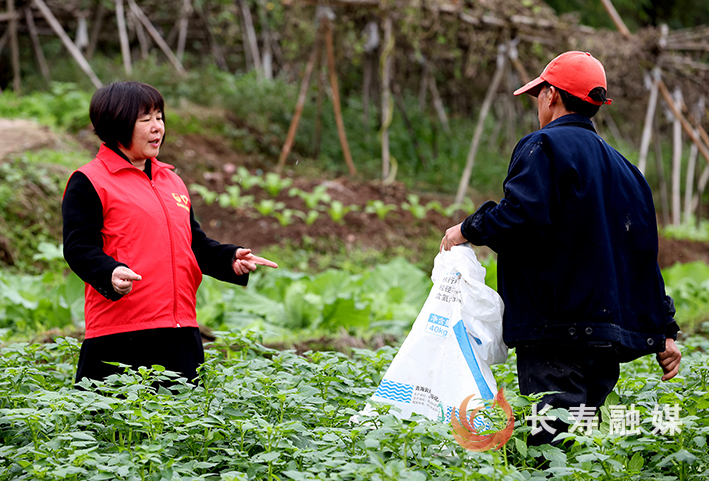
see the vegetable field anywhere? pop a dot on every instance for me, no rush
(266, 414)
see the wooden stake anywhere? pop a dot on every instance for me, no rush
(251, 36)
(156, 36)
(336, 96)
(620, 25)
(387, 110)
(649, 116)
(14, 47)
(36, 44)
(298, 106)
(484, 110)
(676, 159)
(123, 36)
(68, 43)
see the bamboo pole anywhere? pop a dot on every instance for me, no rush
(184, 22)
(123, 36)
(676, 159)
(68, 43)
(484, 110)
(387, 110)
(156, 36)
(299, 106)
(251, 36)
(96, 27)
(319, 101)
(213, 44)
(664, 200)
(649, 116)
(620, 25)
(412, 133)
(336, 96)
(685, 123)
(143, 40)
(689, 182)
(14, 47)
(437, 102)
(36, 44)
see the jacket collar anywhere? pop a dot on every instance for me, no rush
(115, 162)
(575, 120)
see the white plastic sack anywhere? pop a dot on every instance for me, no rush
(454, 340)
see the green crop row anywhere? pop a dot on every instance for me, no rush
(261, 414)
(316, 201)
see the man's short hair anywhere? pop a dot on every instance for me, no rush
(578, 106)
(116, 107)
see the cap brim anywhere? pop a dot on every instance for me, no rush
(532, 88)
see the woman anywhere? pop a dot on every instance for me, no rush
(130, 234)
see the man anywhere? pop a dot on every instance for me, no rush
(576, 239)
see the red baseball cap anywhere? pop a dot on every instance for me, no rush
(575, 72)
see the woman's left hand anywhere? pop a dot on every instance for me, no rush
(245, 262)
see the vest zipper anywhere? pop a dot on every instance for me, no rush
(172, 249)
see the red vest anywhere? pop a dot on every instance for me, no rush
(146, 225)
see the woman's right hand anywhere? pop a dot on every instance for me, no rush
(122, 280)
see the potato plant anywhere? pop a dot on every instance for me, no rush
(261, 414)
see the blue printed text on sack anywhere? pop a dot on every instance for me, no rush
(437, 325)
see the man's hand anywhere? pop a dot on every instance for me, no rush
(122, 279)
(452, 238)
(245, 262)
(669, 359)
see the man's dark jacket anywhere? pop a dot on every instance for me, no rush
(576, 237)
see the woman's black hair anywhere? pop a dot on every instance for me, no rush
(115, 108)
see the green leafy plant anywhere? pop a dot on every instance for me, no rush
(380, 208)
(267, 207)
(337, 211)
(414, 206)
(245, 179)
(233, 198)
(274, 183)
(314, 198)
(207, 195)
